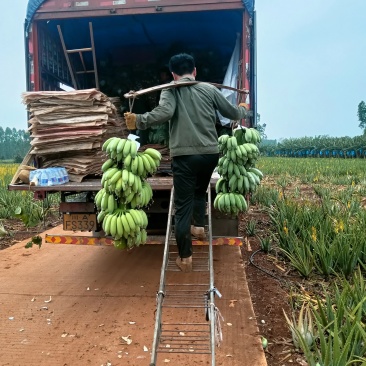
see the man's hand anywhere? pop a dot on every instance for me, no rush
(245, 105)
(130, 120)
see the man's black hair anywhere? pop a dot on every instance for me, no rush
(182, 64)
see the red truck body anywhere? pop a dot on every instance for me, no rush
(129, 39)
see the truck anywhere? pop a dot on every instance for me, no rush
(118, 48)
(120, 45)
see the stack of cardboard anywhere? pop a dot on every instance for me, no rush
(68, 129)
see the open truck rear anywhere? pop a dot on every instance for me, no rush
(118, 46)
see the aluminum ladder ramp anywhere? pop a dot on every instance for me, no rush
(177, 302)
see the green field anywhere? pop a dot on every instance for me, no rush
(316, 170)
(317, 208)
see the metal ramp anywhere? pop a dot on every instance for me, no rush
(178, 304)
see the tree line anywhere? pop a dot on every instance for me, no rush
(14, 144)
(361, 114)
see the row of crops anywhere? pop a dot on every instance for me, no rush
(321, 146)
(317, 210)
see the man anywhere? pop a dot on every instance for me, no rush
(191, 112)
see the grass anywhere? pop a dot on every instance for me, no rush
(21, 204)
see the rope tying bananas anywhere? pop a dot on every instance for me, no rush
(236, 167)
(125, 191)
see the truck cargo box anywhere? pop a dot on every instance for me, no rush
(133, 40)
(119, 46)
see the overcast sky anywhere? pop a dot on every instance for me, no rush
(311, 66)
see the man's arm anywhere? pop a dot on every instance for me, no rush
(159, 115)
(229, 110)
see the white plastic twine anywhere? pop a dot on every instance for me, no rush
(218, 327)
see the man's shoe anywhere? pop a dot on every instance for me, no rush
(184, 264)
(198, 232)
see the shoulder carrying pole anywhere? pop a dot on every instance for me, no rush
(134, 94)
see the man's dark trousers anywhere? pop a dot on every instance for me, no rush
(191, 177)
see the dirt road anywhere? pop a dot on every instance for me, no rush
(71, 305)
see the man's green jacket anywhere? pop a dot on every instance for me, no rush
(191, 112)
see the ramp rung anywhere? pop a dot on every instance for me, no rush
(195, 269)
(185, 338)
(180, 350)
(188, 296)
(183, 341)
(195, 257)
(200, 262)
(185, 302)
(172, 267)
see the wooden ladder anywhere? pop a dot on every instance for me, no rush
(80, 51)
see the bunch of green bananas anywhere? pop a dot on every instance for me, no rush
(124, 190)
(247, 134)
(118, 148)
(238, 154)
(244, 154)
(121, 182)
(126, 226)
(146, 194)
(125, 151)
(241, 181)
(144, 163)
(231, 203)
